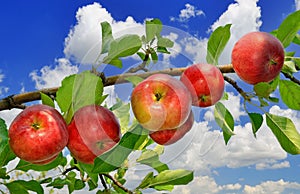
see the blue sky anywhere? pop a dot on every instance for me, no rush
(43, 41)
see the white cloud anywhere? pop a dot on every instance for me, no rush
(297, 4)
(1, 76)
(9, 115)
(261, 166)
(2, 88)
(83, 43)
(207, 185)
(188, 12)
(275, 187)
(51, 77)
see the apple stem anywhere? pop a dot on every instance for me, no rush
(158, 96)
(36, 126)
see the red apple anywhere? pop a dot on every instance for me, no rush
(161, 102)
(257, 57)
(38, 134)
(170, 136)
(205, 82)
(92, 131)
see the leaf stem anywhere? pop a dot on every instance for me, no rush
(117, 183)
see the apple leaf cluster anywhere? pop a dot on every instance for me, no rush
(107, 174)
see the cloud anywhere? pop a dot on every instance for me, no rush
(51, 77)
(207, 186)
(83, 43)
(275, 187)
(9, 115)
(261, 166)
(2, 88)
(188, 12)
(297, 4)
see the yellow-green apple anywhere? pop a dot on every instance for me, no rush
(38, 134)
(161, 102)
(205, 82)
(92, 131)
(257, 57)
(170, 136)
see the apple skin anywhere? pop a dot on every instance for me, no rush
(257, 57)
(161, 102)
(38, 134)
(205, 82)
(170, 136)
(92, 131)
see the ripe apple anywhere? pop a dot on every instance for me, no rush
(257, 57)
(161, 102)
(205, 82)
(170, 136)
(92, 131)
(38, 134)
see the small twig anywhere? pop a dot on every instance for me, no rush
(103, 181)
(292, 78)
(142, 66)
(70, 169)
(117, 183)
(238, 88)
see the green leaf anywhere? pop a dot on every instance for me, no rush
(122, 47)
(172, 177)
(79, 90)
(263, 89)
(217, 43)
(162, 50)
(154, 57)
(107, 36)
(285, 131)
(151, 158)
(256, 121)
(114, 158)
(64, 93)
(296, 40)
(25, 166)
(123, 115)
(146, 181)
(47, 100)
(153, 28)
(135, 80)
(141, 55)
(3, 174)
(225, 120)
(58, 183)
(290, 94)
(6, 154)
(116, 62)
(289, 67)
(165, 42)
(289, 28)
(22, 187)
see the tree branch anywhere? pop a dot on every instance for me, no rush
(292, 78)
(103, 181)
(117, 183)
(238, 88)
(16, 101)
